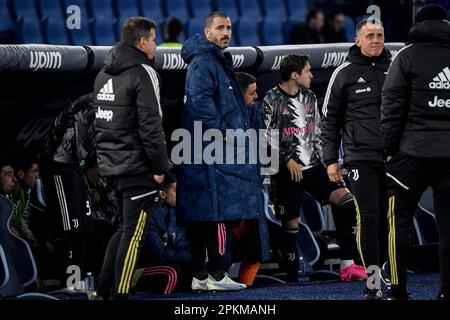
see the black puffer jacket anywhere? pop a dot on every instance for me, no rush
(129, 133)
(352, 104)
(415, 115)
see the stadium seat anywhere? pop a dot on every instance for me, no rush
(424, 221)
(126, 8)
(82, 4)
(288, 26)
(311, 213)
(193, 26)
(249, 8)
(23, 8)
(50, 8)
(29, 30)
(17, 266)
(349, 27)
(103, 32)
(55, 30)
(229, 7)
(246, 32)
(79, 36)
(7, 26)
(102, 8)
(152, 10)
(200, 8)
(297, 9)
(271, 31)
(83, 35)
(177, 8)
(274, 9)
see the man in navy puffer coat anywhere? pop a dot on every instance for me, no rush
(211, 194)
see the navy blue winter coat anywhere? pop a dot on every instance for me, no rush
(164, 242)
(215, 192)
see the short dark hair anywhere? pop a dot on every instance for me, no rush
(431, 12)
(169, 178)
(135, 28)
(292, 63)
(363, 22)
(312, 14)
(22, 160)
(244, 79)
(173, 28)
(4, 161)
(216, 14)
(335, 13)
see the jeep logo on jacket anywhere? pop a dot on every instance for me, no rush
(415, 119)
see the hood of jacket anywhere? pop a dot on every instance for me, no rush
(355, 56)
(124, 56)
(430, 31)
(198, 45)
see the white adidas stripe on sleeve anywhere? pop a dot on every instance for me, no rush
(330, 85)
(155, 82)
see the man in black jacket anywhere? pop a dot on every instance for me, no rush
(351, 112)
(415, 128)
(131, 148)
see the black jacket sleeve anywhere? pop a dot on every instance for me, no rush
(394, 103)
(333, 118)
(149, 117)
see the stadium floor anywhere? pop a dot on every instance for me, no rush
(423, 286)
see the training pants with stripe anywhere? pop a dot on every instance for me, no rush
(70, 216)
(368, 184)
(135, 200)
(408, 178)
(208, 240)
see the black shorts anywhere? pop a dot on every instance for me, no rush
(288, 194)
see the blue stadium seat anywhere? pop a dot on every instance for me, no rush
(349, 27)
(83, 35)
(200, 8)
(24, 8)
(229, 7)
(50, 8)
(78, 36)
(288, 26)
(297, 9)
(55, 30)
(126, 8)
(246, 31)
(177, 8)
(274, 8)
(102, 8)
(311, 213)
(103, 32)
(152, 10)
(117, 25)
(271, 31)
(193, 26)
(80, 3)
(7, 26)
(249, 8)
(29, 30)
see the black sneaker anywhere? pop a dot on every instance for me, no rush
(373, 294)
(385, 276)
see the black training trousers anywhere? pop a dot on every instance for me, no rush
(408, 178)
(368, 185)
(135, 202)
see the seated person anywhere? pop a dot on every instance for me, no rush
(165, 248)
(7, 179)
